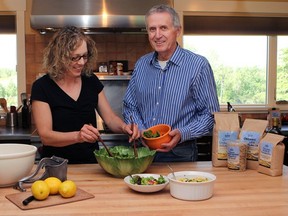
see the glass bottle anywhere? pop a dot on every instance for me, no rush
(276, 130)
(275, 127)
(25, 115)
(230, 107)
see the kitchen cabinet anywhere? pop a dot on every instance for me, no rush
(204, 145)
(15, 134)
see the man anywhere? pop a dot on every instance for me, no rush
(171, 86)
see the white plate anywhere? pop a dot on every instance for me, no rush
(146, 188)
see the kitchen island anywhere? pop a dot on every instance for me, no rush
(235, 193)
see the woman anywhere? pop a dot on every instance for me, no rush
(65, 100)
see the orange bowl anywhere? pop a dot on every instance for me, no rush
(155, 143)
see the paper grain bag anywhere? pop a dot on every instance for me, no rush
(252, 132)
(271, 155)
(226, 128)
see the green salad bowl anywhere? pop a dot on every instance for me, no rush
(123, 162)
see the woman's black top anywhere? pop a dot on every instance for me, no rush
(70, 115)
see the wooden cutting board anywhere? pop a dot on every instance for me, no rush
(52, 200)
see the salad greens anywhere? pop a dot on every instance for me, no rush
(136, 179)
(125, 152)
(150, 134)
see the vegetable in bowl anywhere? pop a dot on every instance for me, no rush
(124, 162)
(150, 134)
(150, 180)
(193, 179)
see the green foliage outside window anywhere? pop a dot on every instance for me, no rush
(8, 86)
(240, 67)
(282, 75)
(247, 85)
(242, 85)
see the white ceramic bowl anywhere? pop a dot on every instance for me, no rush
(146, 188)
(16, 162)
(191, 190)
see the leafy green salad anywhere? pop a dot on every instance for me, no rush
(150, 180)
(150, 134)
(124, 161)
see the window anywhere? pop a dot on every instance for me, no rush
(12, 22)
(243, 54)
(8, 56)
(239, 65)
(282, 69)
(8, 74)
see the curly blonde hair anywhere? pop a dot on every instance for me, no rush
(57, 55)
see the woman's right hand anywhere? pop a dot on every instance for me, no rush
(88, 133)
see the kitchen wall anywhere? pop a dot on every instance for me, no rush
(131, 47)
(110, 47)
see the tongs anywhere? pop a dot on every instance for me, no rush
(134, 144)
(105, 146)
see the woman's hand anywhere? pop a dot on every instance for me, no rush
(88, 133)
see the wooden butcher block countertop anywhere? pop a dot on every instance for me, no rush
(235, 193)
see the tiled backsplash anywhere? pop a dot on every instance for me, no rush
(110, 47)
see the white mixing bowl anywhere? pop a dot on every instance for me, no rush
(16, 162)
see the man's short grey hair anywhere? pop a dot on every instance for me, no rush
(164, 8)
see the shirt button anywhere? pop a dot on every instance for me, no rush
(154, 119)
(159, 87)
(157, 103)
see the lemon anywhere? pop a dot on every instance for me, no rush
(40, 190)
(54, 184)
(67, 189)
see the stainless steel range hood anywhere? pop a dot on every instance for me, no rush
(94, 16)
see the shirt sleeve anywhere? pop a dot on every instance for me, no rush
(130, 108)
(38, 90)
(206, 104)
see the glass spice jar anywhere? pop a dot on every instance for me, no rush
(119, 68)
(237, 155)
(103, 67)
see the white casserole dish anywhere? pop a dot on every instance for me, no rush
(191, 190)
